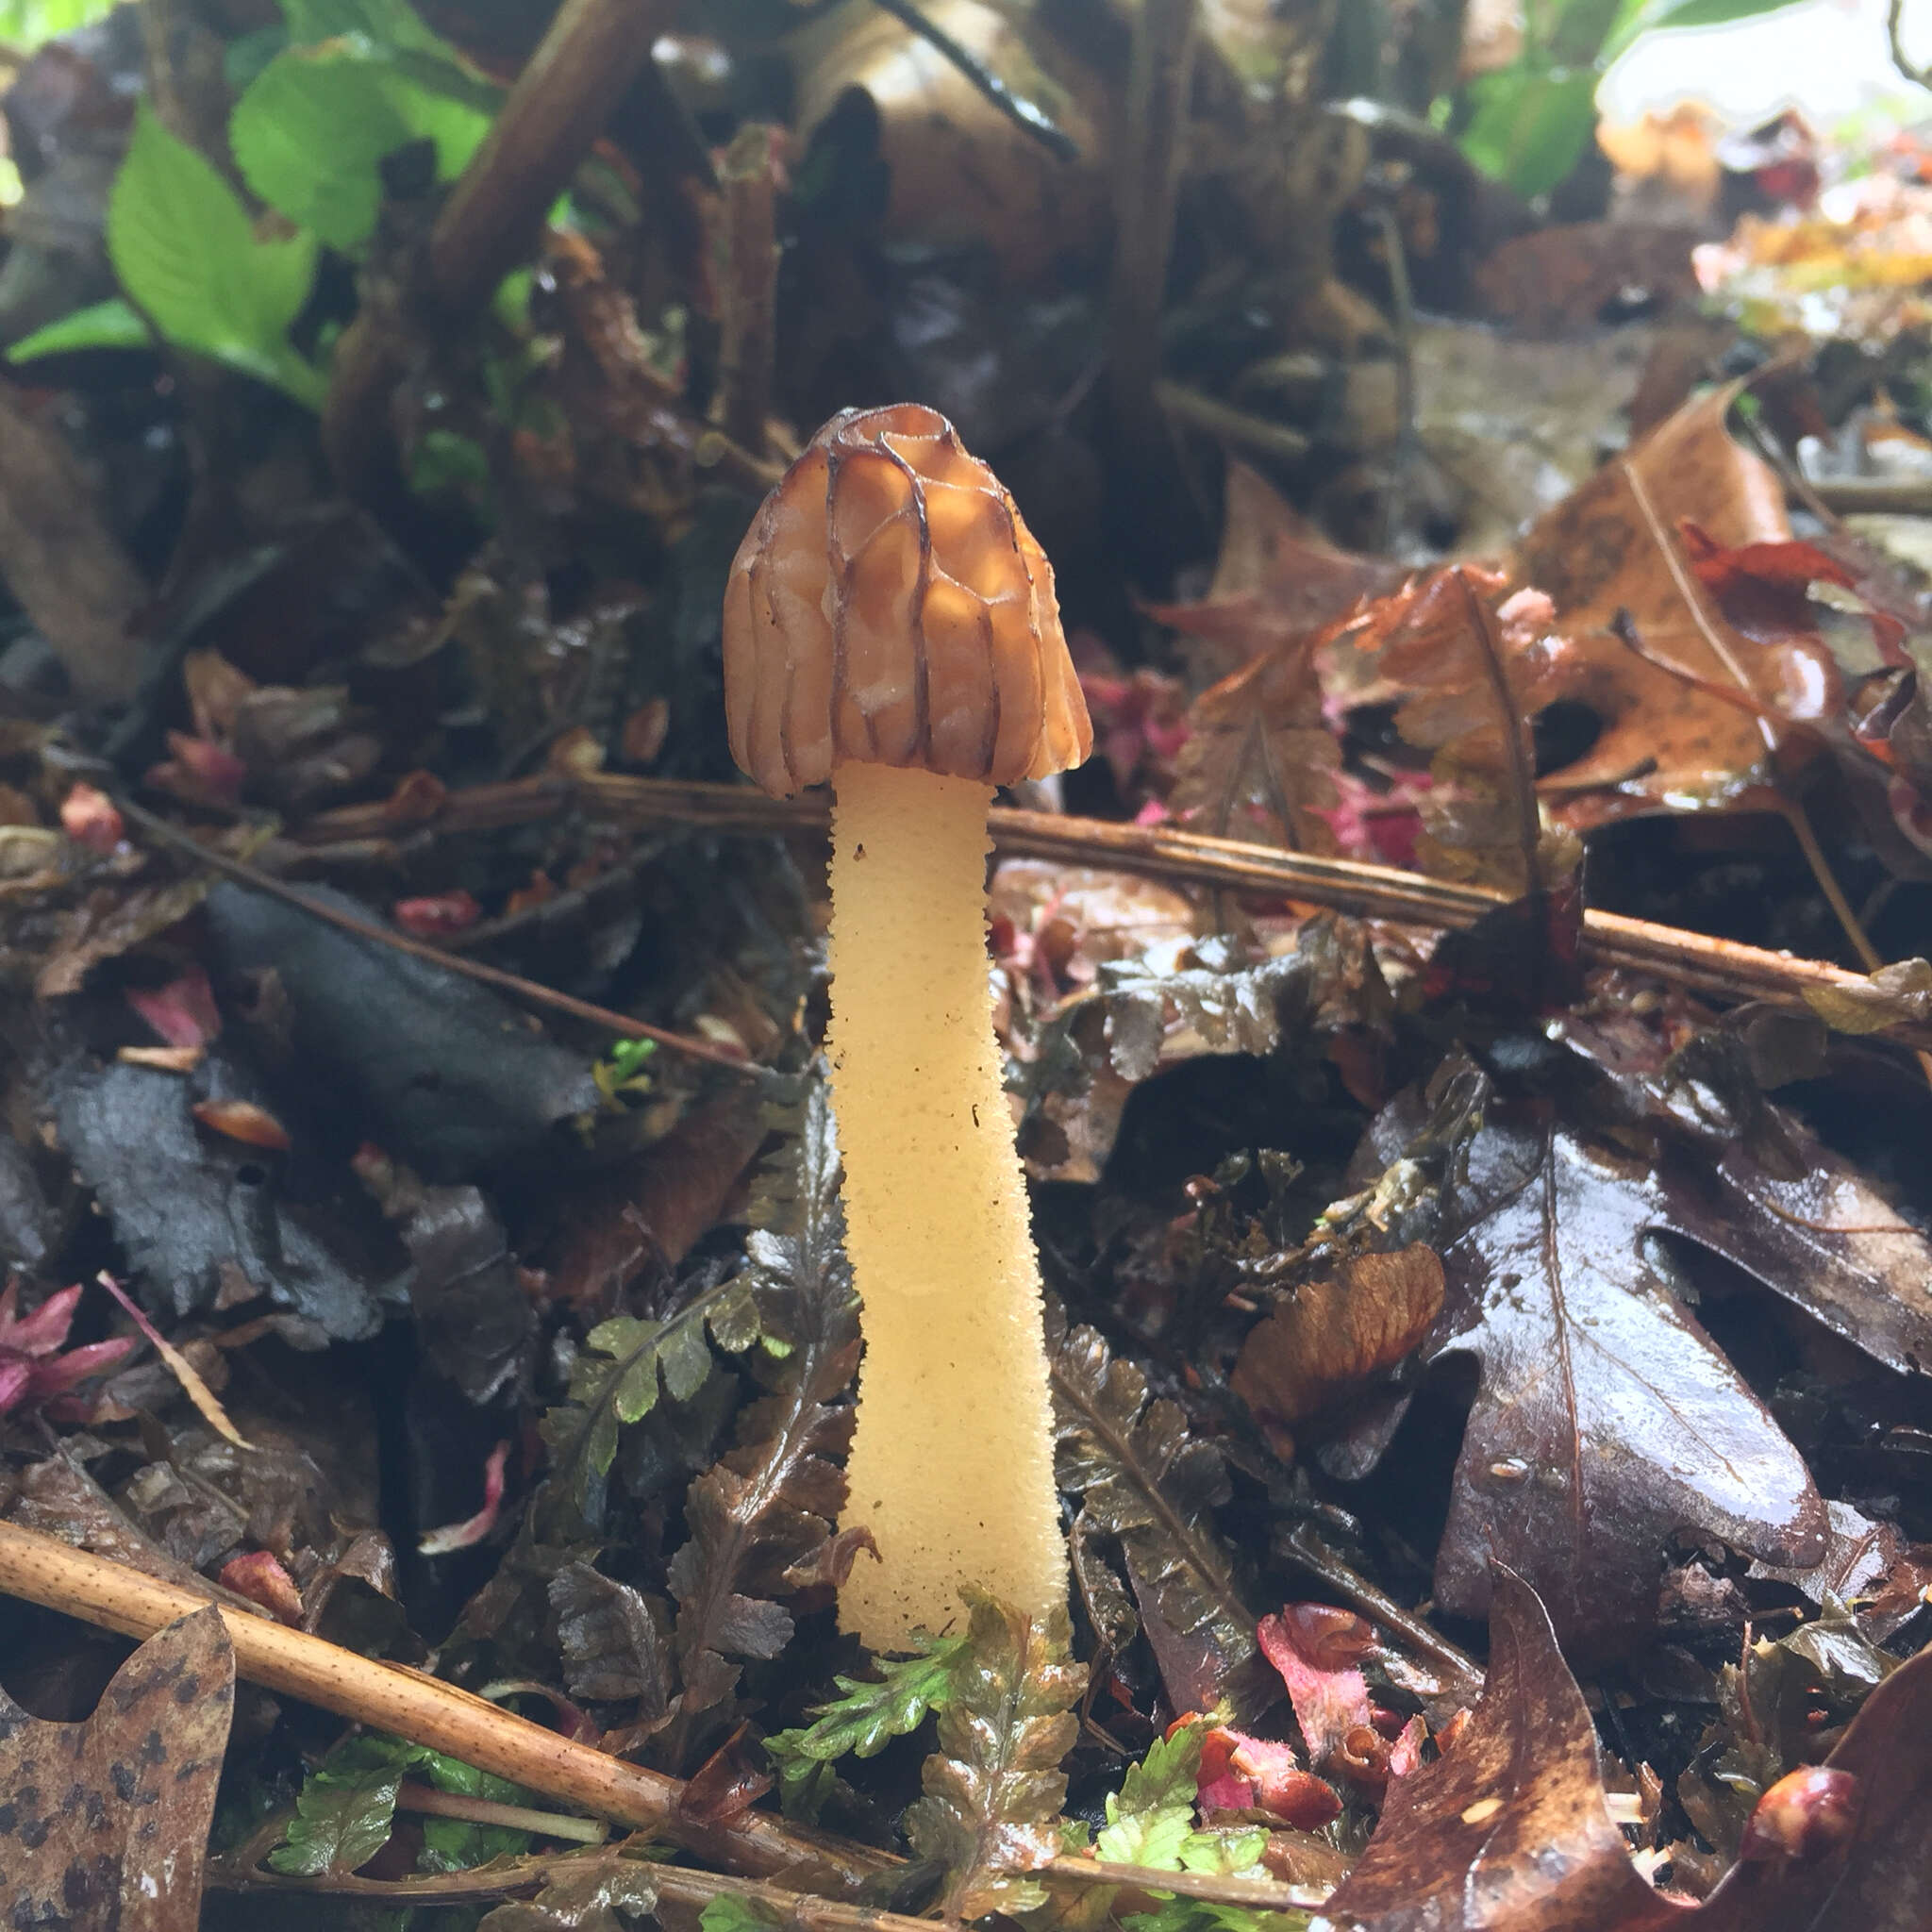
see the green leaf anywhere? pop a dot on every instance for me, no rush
(728, 1912)
(867, 1715)
(1530, 130)
(615, 1378)
(182, 245)
(311, 131)
(346, 1808)
(25, 23)
(1149, 1819)
(390, 24)
(993, 1789)
(1636, 17)
(110, 324)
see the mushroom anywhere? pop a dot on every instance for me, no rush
(891, 624)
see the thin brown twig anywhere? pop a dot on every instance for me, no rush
(1720, 968)
(529, 990)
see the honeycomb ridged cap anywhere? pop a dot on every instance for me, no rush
(889, 604)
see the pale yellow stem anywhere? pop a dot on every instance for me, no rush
(951, 1465)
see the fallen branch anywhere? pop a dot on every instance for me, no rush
(1721, 969)
(426, 1710)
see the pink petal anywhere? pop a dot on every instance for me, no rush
(1328, 1703)
(463, 1536)
(183, 1012)
(45, 1329)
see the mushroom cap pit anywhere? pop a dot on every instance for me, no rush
(890, 606)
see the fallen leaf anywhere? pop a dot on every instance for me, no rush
(243, 1120)
(1606, 1422)
(1259, 759)
(1276, 581)
(1334, 1336)
(106, 1822)
(1466, 667)
(1615, 545)
(1507, 1831)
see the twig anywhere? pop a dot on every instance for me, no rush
(432, 1802)
(744, 253)
(674, 1885)
(514, 984)
(424, 1710)
(493, 218)
(1721, 969)
(1903, 496)
(1894, 31)
(388, 1697)
(1023, 113)
(1202, 411)
(1146, 183)
(1256, 1895)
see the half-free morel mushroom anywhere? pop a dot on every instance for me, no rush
(891, 624)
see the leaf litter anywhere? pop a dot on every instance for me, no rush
(1400, 1282)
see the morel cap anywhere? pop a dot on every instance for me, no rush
(890, 606)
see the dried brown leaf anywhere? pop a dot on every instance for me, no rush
(1336, 1334)
(106, 1822)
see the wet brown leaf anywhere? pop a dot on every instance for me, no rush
(1509, 1831)
(1606, 1422)
(106, 1822)
(1338, 1333)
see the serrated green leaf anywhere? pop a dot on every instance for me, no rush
(185, 254)
(617, 1376)
(867, 1715)
(993, 1789)
(346, 1808)
(310, 133)
(1149, 1819)
(110, 324)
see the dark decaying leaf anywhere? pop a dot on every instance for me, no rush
(107, 1823)
(1509, 1831)
(613, 1646)
(443, 1072)
(1877, 1877)
(198, 1214)
(993, 1789)
(1151, 1489)
(1824, 1238)
(473, 1320)
(1605, 1422)
(760, 1519)
(1218, 1000)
